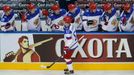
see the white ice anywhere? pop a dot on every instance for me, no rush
(48, 72)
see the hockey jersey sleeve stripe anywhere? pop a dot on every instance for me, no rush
(74, 48)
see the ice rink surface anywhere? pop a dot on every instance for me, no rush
(48, 72)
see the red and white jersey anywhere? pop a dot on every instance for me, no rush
(91, 20)
(7, 22)
(70, 36)
(46, 24)
(110, 22)
(126, 18)
(77, 15)
(33, 20)
(56, 20)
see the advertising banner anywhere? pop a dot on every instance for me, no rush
(49, 47)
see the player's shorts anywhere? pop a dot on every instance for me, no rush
(68, 54)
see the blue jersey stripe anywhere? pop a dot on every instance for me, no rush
(6, 18)
(54, 16)
(87, 12)
(74, 14)
(31, 15)
(127, 15)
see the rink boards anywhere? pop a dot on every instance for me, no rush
(99, 51)
(61, 66)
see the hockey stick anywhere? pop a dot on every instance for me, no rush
(49, 66)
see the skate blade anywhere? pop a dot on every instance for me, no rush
(69, 74)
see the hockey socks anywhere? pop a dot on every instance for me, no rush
(69, 69)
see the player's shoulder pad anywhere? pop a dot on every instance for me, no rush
(51, 16)
(69, 14)
(2, 19)
(99, 10)
(63, 11)
(113, 10)
(12, 12)
(86, 11)
(37, 9)
(5, 18)
(78, 8)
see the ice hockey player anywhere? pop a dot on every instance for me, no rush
(47, 22)
(57, 18)
(127, 18)
(110, 18)
(7, 21)
(91, 18)
(76, 13)
(70, 38)
(31, 20)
